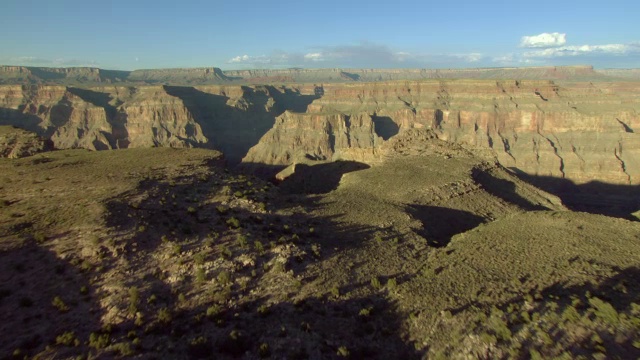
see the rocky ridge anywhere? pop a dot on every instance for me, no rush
(10, 74)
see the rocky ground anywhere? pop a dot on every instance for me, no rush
(427, 250)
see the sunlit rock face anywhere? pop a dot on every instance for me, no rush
(579, 131)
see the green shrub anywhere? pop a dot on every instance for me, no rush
(604, 311)
(264, 309)
(499, 327)
(241, 239)
(365, 312)
(59, 304)
(39, 237)
(343, 351)
(199, 258)
(225, 252)
(392, 284)
(221, 209)
(176, 249)
(199, 348)
(375, 283)
(224, 277)
(164, 315)
(67, 338)
(213, 311)
(233, 222)
(123, 348)
(223, 295)
(134, 300)
(315, 249)
(259, 247)
(264, 351)
(235, 344)
(201, 276)
(99, 341)
(152, 299)
(570, 314)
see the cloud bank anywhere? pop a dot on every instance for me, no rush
(543, 40)
(607, 49)
(363, 55)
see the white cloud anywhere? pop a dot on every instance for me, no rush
(471, 57)
(317, 56)
(543, 40)
(607, 49)
(238, 59)
(360, 55)
(246, 59)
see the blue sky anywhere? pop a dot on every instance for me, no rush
(138, 34)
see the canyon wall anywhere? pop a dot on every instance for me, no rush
(568, 134)
(211, 75)
(582, 131)
(231, 118)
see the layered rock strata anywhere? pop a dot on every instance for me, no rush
(572, 134)
(212, 75)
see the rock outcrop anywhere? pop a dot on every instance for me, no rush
(316, 136)
(16, 143)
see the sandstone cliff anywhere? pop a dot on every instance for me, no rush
(582, 131)
(577, 132)
(230, 118)
(316, 136)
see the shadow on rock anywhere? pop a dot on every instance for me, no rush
(320, 178)
(441, 224)
(238, 248)
(594, 197)
(313, 328)
(45, 301)
(504, 189)
(235, 127)
(385, 127)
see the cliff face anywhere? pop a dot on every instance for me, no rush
(580, 132)
(35, 75)
(213, 75)
(231, 118)
(315, 136)
(91, 119)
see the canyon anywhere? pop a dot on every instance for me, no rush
(577, 139)
(195, 214)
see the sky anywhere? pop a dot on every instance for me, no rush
(248, 34)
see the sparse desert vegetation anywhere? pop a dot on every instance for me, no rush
(165, 259)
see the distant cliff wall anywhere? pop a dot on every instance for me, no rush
(583, 132)
(12, 75)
